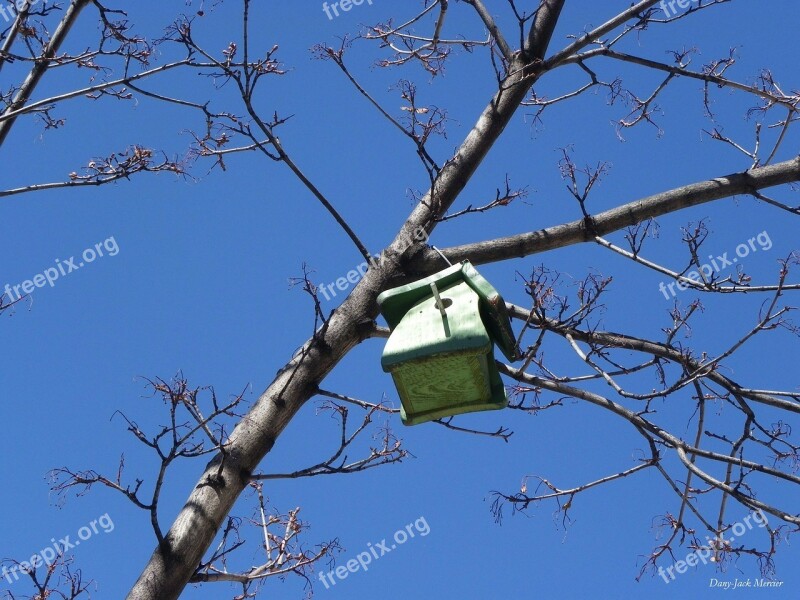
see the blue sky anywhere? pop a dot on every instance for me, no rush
(199, 284)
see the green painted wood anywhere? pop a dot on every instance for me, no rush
(444, 365)
(396, 302)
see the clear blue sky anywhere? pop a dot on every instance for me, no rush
(199, 284)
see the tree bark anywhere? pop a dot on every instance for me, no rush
(606, 222)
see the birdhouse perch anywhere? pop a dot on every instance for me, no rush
(440, 352)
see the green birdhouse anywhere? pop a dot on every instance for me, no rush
(440, 351)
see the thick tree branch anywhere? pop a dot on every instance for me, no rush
(541, 31)
(584, 230)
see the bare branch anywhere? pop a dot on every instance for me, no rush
(615, 219)
(388, 452)
(39, 69)
(494, 30)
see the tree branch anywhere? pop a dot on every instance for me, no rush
(39, 69)
(494, 30)
(615, 219)
(541, 31)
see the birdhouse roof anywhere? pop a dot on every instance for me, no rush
(396, 302)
